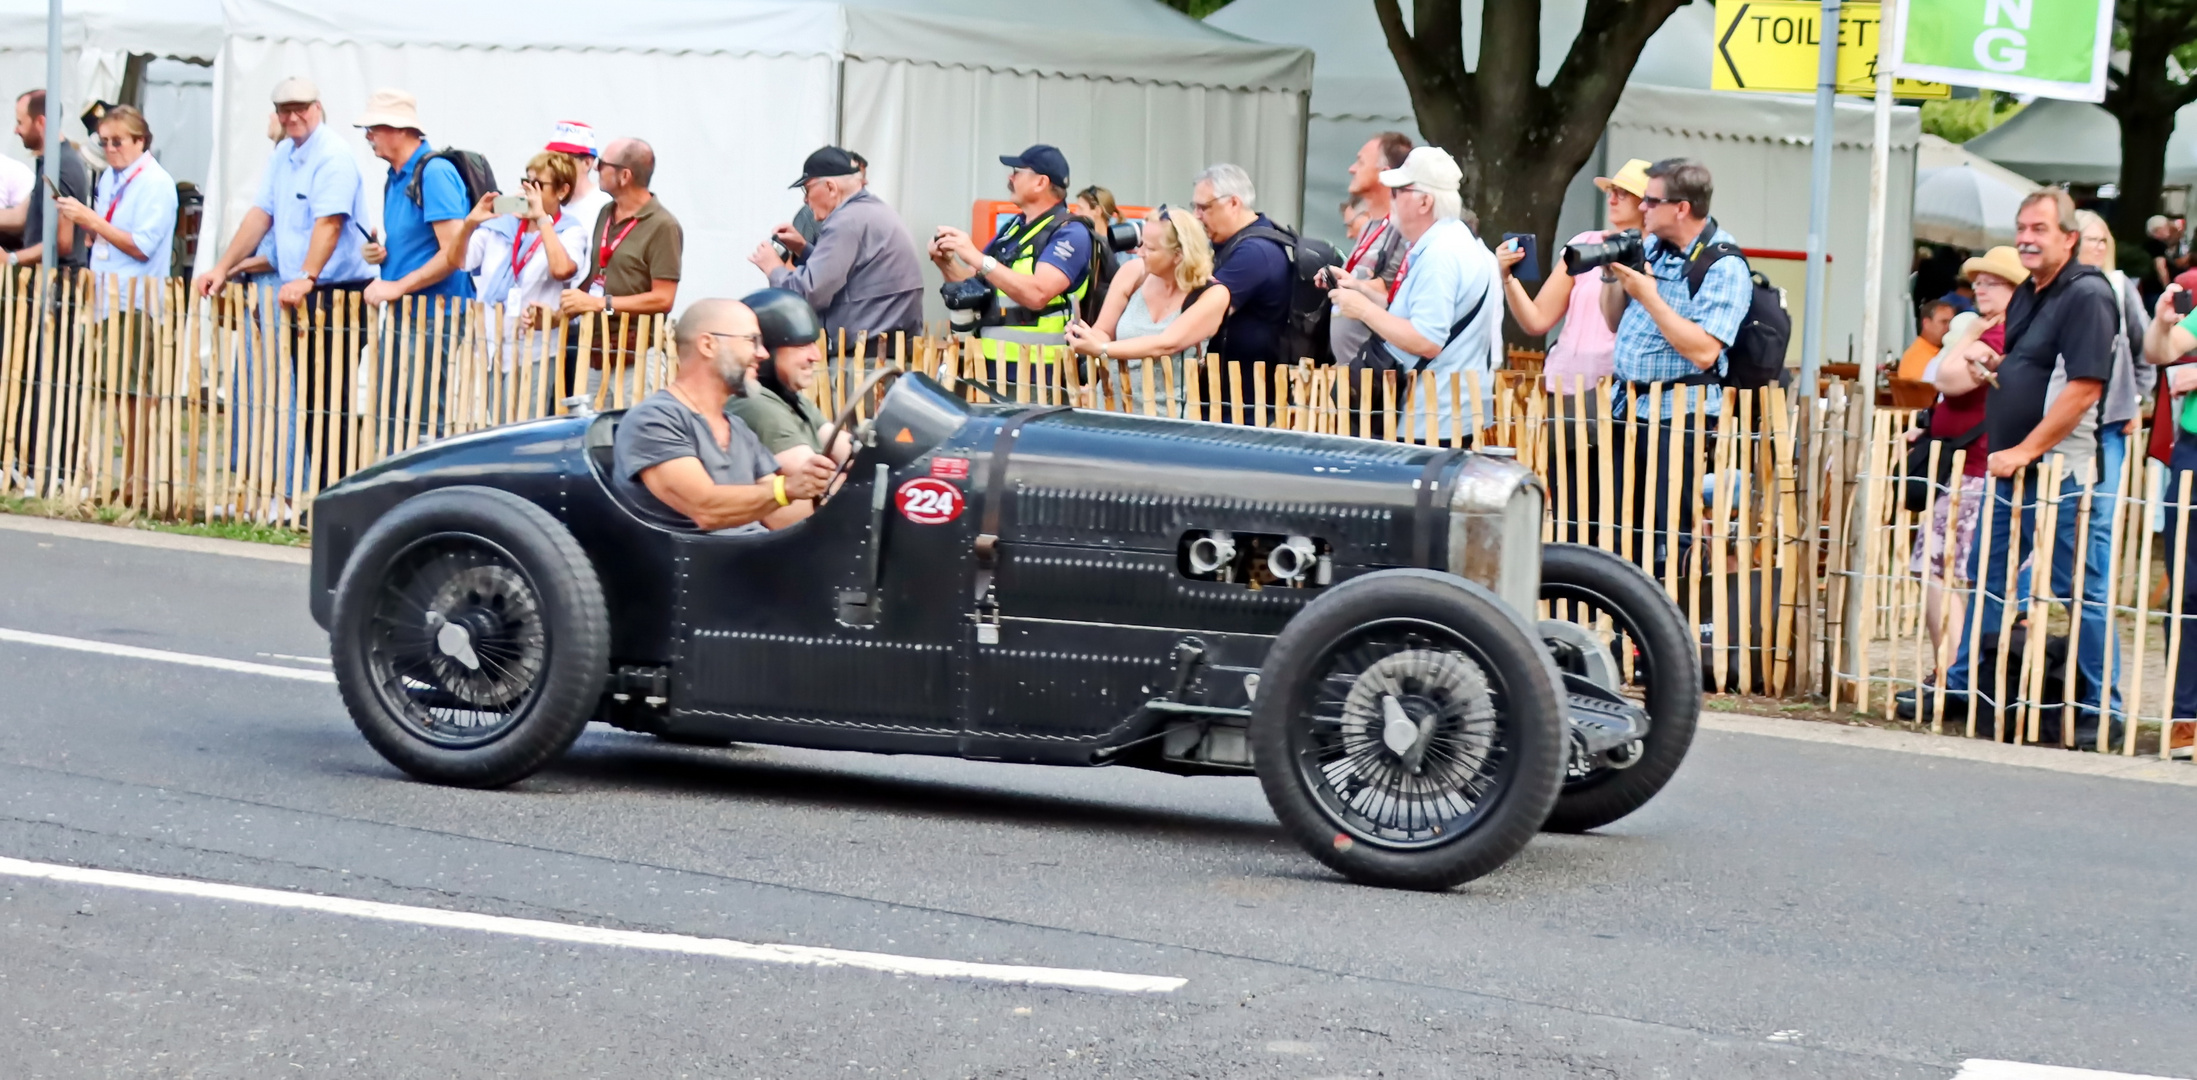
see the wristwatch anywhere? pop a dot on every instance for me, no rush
(987, 266)
(1103, 352)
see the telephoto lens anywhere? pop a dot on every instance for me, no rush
(1622, 248)
(1125, 235)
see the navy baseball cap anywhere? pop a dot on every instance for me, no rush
(829, 161)
(1046, 161)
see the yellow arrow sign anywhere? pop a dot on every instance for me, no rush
(1770, 46)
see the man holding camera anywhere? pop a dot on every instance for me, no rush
(861, 274)
(1674, 317)
(1024, 287)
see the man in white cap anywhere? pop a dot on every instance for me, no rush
(577, 139)
(311, 202)
(1443, 315)
(423, 204)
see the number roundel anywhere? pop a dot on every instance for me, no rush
(927, 501)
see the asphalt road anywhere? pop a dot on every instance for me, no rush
(1785, 909)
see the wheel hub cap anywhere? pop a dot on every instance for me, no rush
(457, 644)
(1397, 730)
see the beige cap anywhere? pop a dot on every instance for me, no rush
(296, 91)
(1633, 178)
(1427, 167)
(1999, 262)
(390, 108)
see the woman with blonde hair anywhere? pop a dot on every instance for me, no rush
(1163, 303)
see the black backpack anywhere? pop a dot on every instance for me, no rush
(1756, 356)
(473, 172)
(1305, 326)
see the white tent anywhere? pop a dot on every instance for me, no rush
(2075, 142)
(1356, 90)
(98, 37)
(1756, 145)
(734, 93)
(1962, 199)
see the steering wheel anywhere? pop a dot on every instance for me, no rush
(859, 438)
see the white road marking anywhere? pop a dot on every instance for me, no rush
(725, 948)
(133, 652)
(321, 660)
(1981, 1069)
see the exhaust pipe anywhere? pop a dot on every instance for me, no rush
(1211, 553)
(1293, 559)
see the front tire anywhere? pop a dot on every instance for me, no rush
(1651, 651)
(1408, 730)
(470, 637)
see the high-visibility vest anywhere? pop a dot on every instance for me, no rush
(1024, 239)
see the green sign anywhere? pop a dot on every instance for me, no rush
(2055, 48)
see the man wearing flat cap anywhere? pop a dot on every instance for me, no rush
(861, 275)
(311, 200)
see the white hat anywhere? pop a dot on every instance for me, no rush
(390, 108)
(573, 137)
(1427, 167)
(296, 91)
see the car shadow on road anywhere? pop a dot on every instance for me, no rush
(743, 774)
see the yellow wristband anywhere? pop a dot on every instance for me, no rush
(778, 488)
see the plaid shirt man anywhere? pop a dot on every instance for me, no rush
(1645, 356)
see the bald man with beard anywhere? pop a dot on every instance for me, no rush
(681, 462)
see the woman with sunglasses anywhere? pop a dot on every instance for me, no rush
(132, 226)
(525, 262)
(1162, 304)
(132, 219)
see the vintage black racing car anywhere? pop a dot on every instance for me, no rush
(1353, 621)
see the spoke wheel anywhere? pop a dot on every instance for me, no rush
(1404, 743)
(470, 637)
(1624, 612)
(1407, 730)
(458, 644)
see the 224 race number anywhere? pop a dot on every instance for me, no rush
(926, 501)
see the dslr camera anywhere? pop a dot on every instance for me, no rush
(970, 294)
(1623, 248)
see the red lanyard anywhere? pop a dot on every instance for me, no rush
(1373, 231)
(609, 247)
(121, 186)
(1401, 270)
(520, 259)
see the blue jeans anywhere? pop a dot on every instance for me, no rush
(2013, 532)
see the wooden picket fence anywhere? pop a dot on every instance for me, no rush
(235, 407)
(1880, 625)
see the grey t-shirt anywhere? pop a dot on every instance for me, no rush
(76, 183)
(1377, 257)
(660, 429)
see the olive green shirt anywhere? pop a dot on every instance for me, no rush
(644, 249)
(778, 424)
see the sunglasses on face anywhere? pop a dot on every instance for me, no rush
(1650, 202)
(116, 142)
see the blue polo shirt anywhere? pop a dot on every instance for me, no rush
(307, 181)
(409, 227)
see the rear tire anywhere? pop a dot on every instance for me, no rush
(1585, 582)
(1408, 730)
(470, 637)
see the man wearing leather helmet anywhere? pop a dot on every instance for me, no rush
(776, 406)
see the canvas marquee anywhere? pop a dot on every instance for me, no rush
(733, 94)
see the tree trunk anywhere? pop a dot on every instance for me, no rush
(1518, 142)
(2145, 99)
